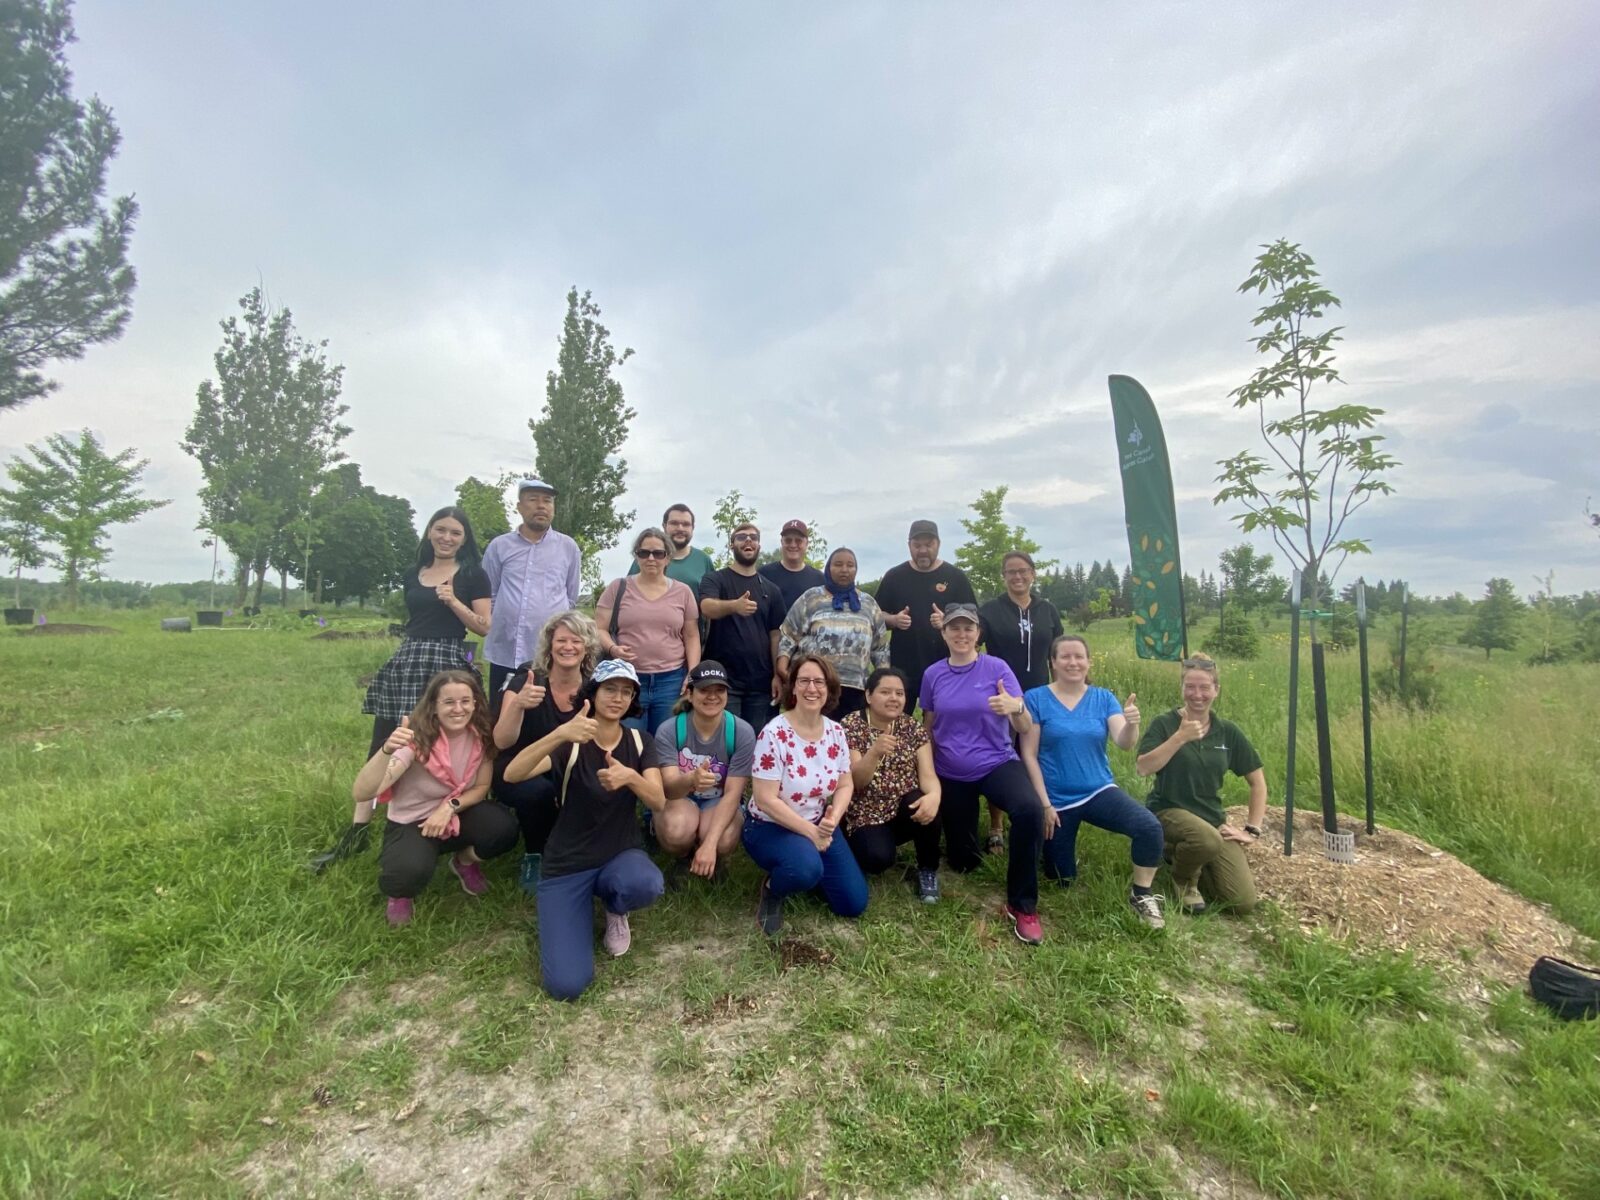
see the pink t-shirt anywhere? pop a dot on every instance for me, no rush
(654, 628)
(417, 793)
(807, 772)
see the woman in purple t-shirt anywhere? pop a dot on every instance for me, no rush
(971, 705)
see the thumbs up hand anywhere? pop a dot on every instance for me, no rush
(1130, 710)
(401, 737)
(582, 727)
(937, 619)
(614, 776)
(1003, 703)
(899, 620)
(745, 606)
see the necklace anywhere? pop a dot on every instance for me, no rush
(963, 669)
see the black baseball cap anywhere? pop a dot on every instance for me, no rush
(708, 672)
(923, 529)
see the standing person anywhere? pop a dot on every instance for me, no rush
(802, 792)
(433, 771)
(914, 597)
(1018, 628)
(706, 755)
(652, 622)
(537, 697)
(1065, 753)
(687, 564)
(743, 612)
(533, 571)
(971, 706)
(896, 787)
(603, 772)
(446, 596)
(1190, 750)
(841, 623)
(792, 572)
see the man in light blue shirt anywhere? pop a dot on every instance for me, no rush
(533, 573)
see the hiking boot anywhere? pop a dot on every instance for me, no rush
(1026, 925)
(529, 874)
(471, 876)
(677, 874)
(995, 845)
(1147, 907)
(769, 910)
(1192, 901)
(351, 842)
(398, 911)
(928, 887)
(618, 937)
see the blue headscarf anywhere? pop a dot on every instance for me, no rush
(842, 595)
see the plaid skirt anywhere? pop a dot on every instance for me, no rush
(400, 682)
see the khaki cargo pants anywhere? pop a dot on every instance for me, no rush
(1198, 853)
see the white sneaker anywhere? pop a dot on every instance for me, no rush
(1148, 909)
(1191, 899)
(618, 937)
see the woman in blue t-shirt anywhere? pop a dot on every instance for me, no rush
(1064, 750)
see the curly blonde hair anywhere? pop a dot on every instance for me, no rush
(576, 623)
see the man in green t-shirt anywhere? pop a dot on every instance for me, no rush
(686, 564)
(1190, 750)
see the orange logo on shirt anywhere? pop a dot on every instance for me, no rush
(939, 587)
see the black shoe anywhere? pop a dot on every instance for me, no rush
(769, 910)
(351, 842)
(677, 874)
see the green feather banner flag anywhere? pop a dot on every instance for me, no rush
(1152, 523)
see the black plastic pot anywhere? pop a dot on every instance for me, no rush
(209, 618)
(19, 616)
(175, 625)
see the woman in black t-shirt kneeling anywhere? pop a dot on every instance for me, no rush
(603, 771)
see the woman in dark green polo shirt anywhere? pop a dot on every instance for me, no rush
(1190, 750)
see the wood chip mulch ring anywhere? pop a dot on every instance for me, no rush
(1403, 894)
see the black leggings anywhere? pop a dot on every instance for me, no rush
(1009, 789)
(875, 846)
(381, 729)
(534, 803)
(407, 860)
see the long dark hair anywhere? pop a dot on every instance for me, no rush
(467, 557)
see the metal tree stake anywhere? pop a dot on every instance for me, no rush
(1294, 709)
(1366, 698)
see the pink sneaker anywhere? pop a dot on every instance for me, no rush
(471, 876)
(618, 936)
(1027, 926)
(399, 911)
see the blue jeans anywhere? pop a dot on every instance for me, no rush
(566, 916)
(658, 692)
(1114, 810)
(795, 865)
(751, 705)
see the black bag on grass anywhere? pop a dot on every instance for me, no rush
(1567, 989)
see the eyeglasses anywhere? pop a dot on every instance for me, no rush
(746, 537)
(1018, 571)
(641, 554)
(810, 685)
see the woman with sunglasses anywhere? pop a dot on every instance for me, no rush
(802, 791)
(652, 622)
(841, 623)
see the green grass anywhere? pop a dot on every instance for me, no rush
(173, 975)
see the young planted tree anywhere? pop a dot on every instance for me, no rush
(485, 506)
(989, 537)
(581, 430)
(1322, 464)
(265, 433)
(65, 282)
(79, 491)
(21, 535)
(1495, 619)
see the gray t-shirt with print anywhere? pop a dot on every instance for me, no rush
(712, 752)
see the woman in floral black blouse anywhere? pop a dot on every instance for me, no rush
(897, 792)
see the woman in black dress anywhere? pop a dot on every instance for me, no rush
(447, 597)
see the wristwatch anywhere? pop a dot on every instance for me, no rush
(455, 805)
(1252, 831)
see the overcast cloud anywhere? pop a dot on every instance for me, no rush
(874, 258)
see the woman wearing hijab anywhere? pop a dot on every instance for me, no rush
(842, 624)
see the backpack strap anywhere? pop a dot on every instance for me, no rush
(727, 734)
(616, 607)
(682, 726)
(566, 775)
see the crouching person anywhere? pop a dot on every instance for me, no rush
(706, 754)
(433, 772)
(1190, 750)
(604, 771)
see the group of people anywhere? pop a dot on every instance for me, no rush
(769, 707)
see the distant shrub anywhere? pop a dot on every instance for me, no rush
(1235, 636)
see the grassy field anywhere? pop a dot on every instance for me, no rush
(186, 1011)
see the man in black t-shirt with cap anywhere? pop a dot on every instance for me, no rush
(913, 597)
(744, 610)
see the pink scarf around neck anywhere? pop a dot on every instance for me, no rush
(439, 766)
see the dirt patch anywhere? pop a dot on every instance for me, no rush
(63, 630)
(793, 952)
(351, 635)
(1404, 894)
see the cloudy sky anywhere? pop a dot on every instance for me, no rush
(874, 258)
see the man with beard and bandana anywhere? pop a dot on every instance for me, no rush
(744, 610)
(913, 597)
(686, 564)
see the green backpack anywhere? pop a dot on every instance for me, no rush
(682, 728)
